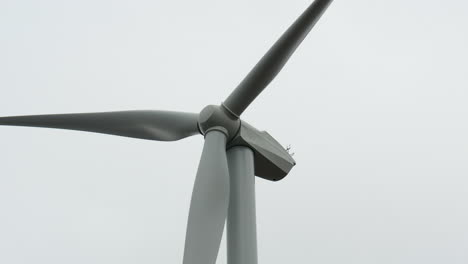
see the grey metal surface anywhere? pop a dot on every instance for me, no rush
(210, 201)
(216, 116)
(144, 124)
(272, 161)
(274, 60)
(241, 223)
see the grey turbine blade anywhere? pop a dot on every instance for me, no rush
(274, 60)
(209, 205)
(153, 125)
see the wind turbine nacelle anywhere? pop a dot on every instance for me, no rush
(272, 161)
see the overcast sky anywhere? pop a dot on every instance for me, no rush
(374, 104)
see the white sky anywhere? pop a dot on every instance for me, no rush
(374, 104)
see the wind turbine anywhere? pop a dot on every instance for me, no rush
(234, 152)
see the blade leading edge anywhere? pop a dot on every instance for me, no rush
(152, 125)
(209, 204)
(275, 59)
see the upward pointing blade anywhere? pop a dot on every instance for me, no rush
(209, 205)
(274, 60)
(153, 125)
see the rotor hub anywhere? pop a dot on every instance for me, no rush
(215, 117)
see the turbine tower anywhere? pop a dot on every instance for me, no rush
(234, 152)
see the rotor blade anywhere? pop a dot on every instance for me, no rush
(152, 125)
(210, 202)
(274, 60)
